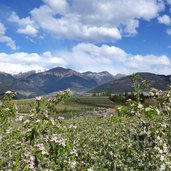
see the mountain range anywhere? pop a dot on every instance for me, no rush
(124, 84)
(31, 84)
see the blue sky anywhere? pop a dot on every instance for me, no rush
(122, 36)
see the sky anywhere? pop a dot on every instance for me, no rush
(119, 36)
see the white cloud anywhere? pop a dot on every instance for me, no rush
(87, 56)
(26, 25)
(87, 20)
(84, 57)
(6, 39)
(23, 62)
(131, 27)
(168, 31)
(59, 6)
(28, 30)
(70, 27)
(165, 19)
(169, 2)
(149, 63)
(21, 22)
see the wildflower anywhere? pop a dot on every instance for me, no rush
(129, 100)
(9, 92)
(38, 98)
(164, 125)
(46, 113)
(60, 118)
(62, 142)
(151, 93)
(165, 149)
(162, 158)
(7, 109)
(19, 118)
(90, 169)
(140, 106)
(31, 166)
(119, 108)
(111, 153)
(137, 113)
(74, 151)
(59, 140)
(72, 126)
(147, 109)
(132, 111)
(68, 90)
(42, 148)
(8, 131)
(73, 165)
(31, 114)
(26, 121)
(52, 121)
(83, 162)
(158, 111)
(38, 121)
(163, 167)
(28, 130)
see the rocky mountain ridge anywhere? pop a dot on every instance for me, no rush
(31, 84)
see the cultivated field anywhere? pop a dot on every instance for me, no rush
(85, 133)
(74, 106)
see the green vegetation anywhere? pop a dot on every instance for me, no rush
(72, 105)
(136, 138)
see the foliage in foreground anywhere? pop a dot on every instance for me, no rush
(137, 138)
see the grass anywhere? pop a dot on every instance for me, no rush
(74, 105)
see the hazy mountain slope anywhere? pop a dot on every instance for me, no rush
(20, 86)
(60, 79)
(99, 77)
(32, 84)
(124, 84)
(24, 75)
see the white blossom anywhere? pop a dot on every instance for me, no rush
(163, 167)
(9, 92)
(61, 118)
(73, 165)
(38, 98)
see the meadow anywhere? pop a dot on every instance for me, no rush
(74, 106)
(65, 133)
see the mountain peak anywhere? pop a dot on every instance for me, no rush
(59, 70)
(24, 75)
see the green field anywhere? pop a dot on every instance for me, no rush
(86, 133)
(72, 106)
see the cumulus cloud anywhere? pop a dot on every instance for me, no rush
(165, 19)
(59, 6)
(6, 39)
(87, 20)
(149, 63)
(28, 30)
(26, 25)
(23, 62)
(131, 27)
(84, 57)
